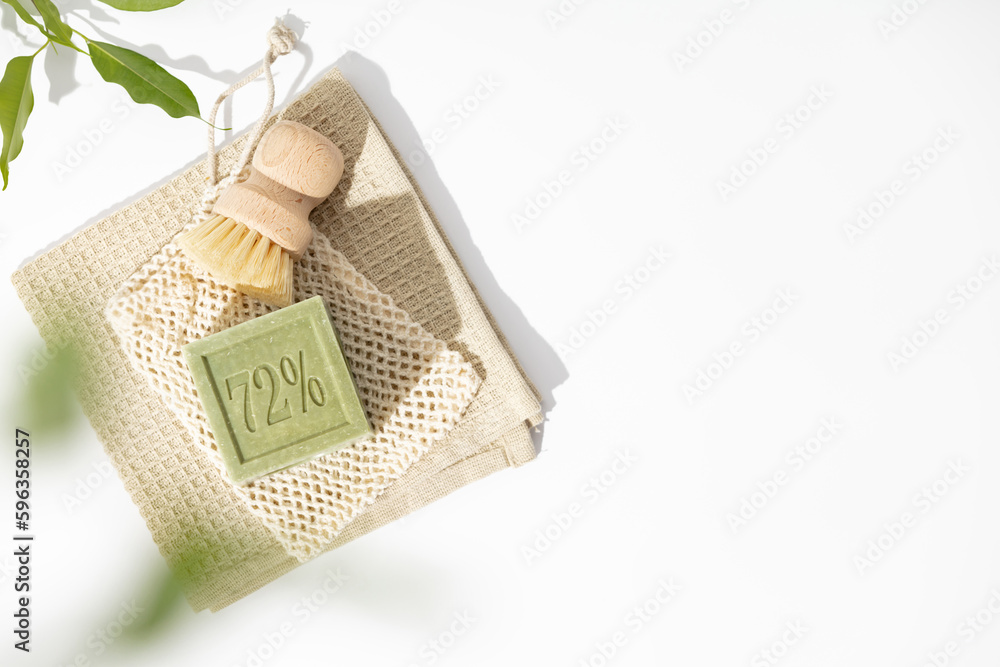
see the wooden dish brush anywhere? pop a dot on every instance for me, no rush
(261, 225)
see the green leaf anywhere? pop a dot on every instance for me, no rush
(144, 80)
(48, 401)
(158, 605)
(141, 5)
(57, 29)
(23, 12)
(16, 102)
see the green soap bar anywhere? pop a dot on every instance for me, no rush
(277, 390)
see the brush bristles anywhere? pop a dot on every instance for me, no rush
(242, 258)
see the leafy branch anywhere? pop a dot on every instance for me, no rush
(145, 81)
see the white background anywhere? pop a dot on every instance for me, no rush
(803, 556)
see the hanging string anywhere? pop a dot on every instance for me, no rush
(280, 41)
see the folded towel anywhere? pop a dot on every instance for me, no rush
(220, 549)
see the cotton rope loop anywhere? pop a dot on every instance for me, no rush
(280, 41)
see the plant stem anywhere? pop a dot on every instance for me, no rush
(74, 46)
(85, 39)
(40, 48)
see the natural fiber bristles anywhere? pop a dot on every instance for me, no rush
(242, 258)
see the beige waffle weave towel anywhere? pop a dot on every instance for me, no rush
(380, 221)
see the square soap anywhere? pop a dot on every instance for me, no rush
(277, 390)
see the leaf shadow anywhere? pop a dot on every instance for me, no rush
(191, 63)
(9, 23)
(60, 68)
(97, 13)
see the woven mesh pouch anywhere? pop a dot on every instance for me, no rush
(413, 387)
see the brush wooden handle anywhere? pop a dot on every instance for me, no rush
(294, 169)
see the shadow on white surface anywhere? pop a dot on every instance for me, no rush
(156, 52)
(539, 360)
